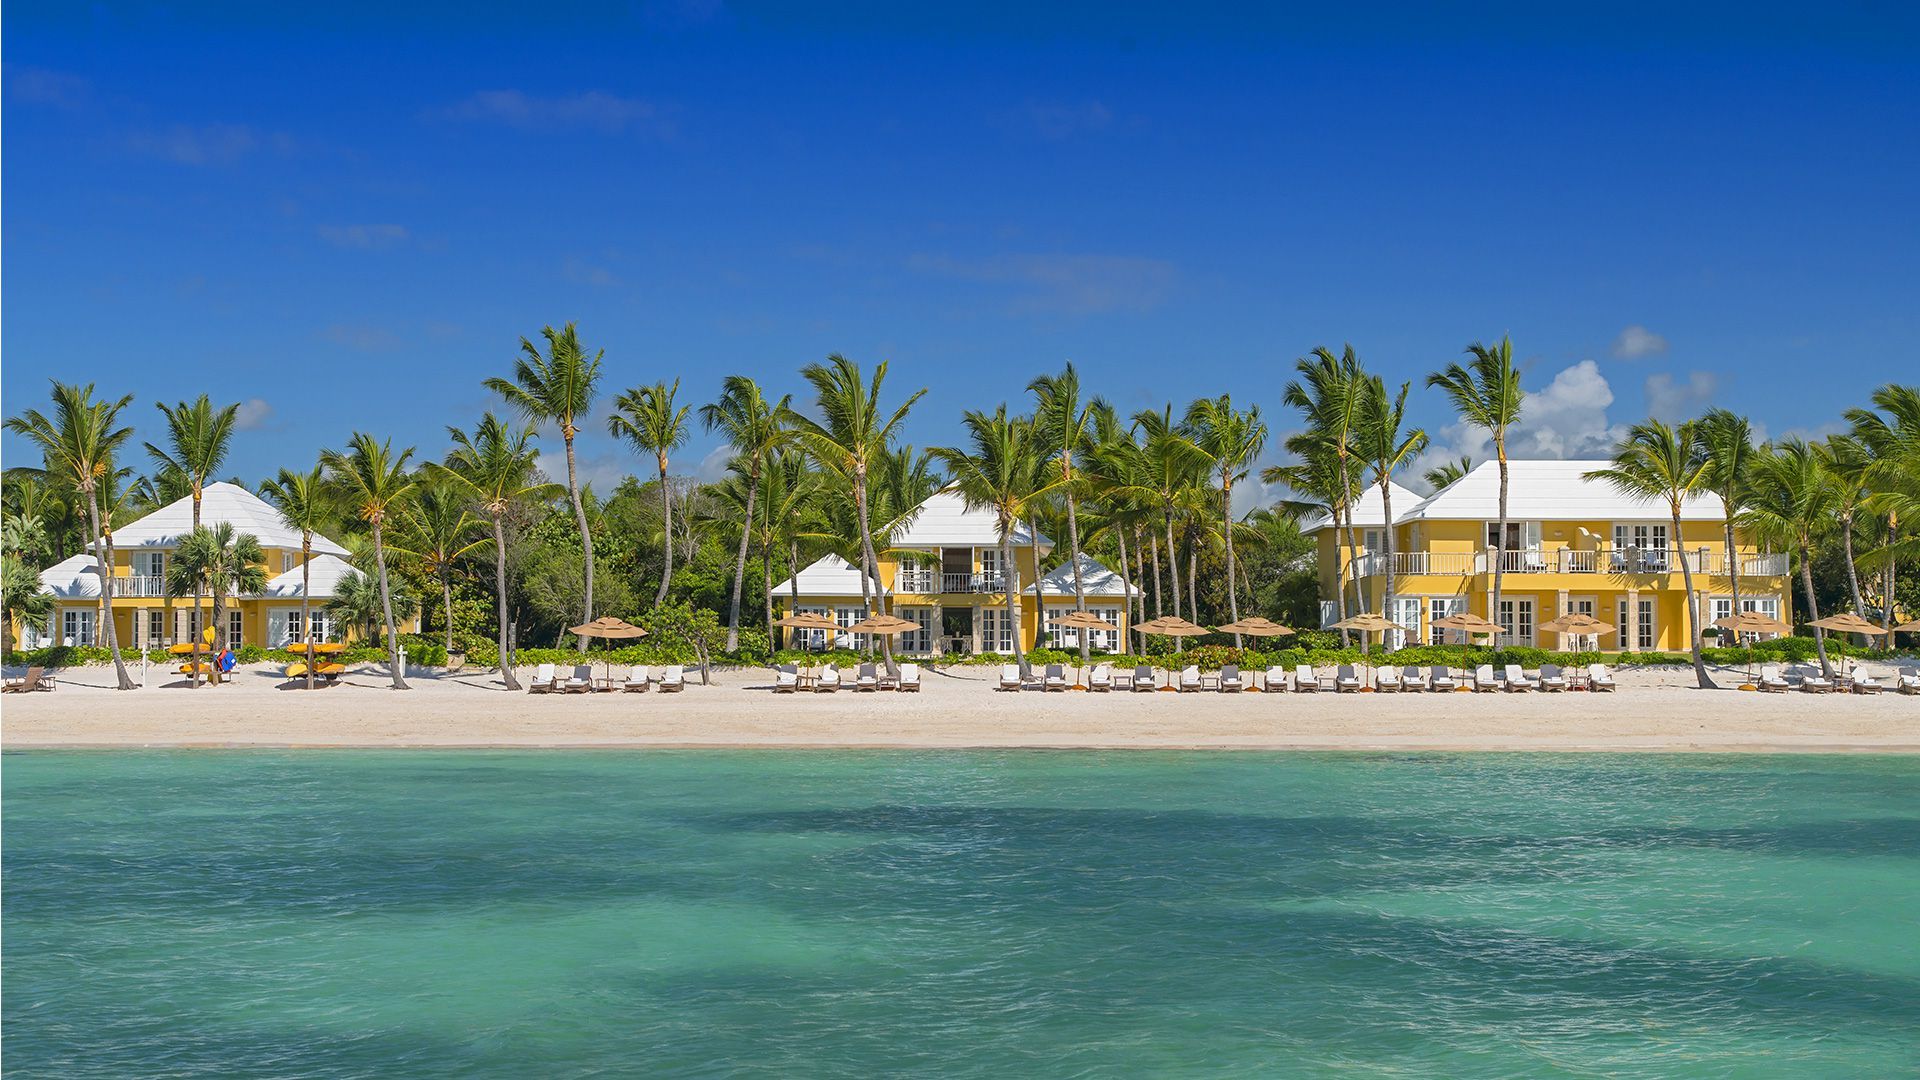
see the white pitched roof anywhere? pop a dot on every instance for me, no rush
(945, 521)
(326, 573)
(829, 575)
(248, 513)
(1548, 490)
(72, 579)
(1369, 509)
(1094, 577)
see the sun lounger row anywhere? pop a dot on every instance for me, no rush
(546, 680)
(1388, 678)
(789, 679)
(1809, 679)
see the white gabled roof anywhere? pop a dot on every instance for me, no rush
(1094, 577)
(73, 579)
(247, 512)
(1369, 509)
(945, 521)
(1548, 490)
(327, 570)
(830, 575)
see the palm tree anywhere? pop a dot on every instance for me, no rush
(1116, 479)
(1850, 467)
(306, 502)
(1381, 437)
(1447, 472)
(198, 437)
(1668, 464)
(1790, 499)
(373, 481)
(855, 432)
(645, 416)
(1005, 470)
(1327, 487)
(358, 603)
(438, 530)
(755, 430)
(1726, 438)
(1486, 394)
(1328, 393)
(495, 466)
(224, 561)
(1171, 467)
(1230, 440)
(1894, 440)
(558, 387)
(78, 444)
(1066, 425)
(25, 601)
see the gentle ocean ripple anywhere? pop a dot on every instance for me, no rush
(1008, 914)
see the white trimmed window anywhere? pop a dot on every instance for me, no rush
(1443, 607)
(996, 630)
(1406, 613)
(76, 626)
(236, 625)
(1516, 618)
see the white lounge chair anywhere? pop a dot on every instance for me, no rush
(1345, 679)
(1189, 678)
(1275, 680)
(1552, 679)
(826, 682)
(1518, 682)
(1771, 681)
(786, 679)
(1866, 683)
(1814, 683)
(1410, 680)
(1010, 677)
(673, 679)
(582, 680)
(1386, 678)
(542, 680)
(1230, 680)
(909, 678)
(1483, 679)
(866, 678)
(1599, 678)
(1304, 679)
(1909, 681)
(1100, 679)
(1056, 677)
(638, 680)
(1440, 680)
(1143, 680)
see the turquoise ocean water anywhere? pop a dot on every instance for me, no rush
(1017, 914)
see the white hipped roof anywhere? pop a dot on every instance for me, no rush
(1369, 511)
(75, 579)
(945, 521)
(326, 573)
(1095, 578)
(1549, 490)
(829, 575)
(221, 502)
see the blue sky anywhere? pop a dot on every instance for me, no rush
(349, 217)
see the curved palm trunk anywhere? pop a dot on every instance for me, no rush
(500, 586)
(872, 562)
(766, 587)
(446, 597)
(103, 566)
(1500, 544)
(1173, 574)
(1733, 558)
(386, 610)
(1353, 575)
(1233, 597)
(579, 519)
(1010, 583)
(740, 563)
(1693, 612)
(1386, 542)
(1813, 609)
(1159, 604)
(1079, 586)
(1193, 579)
(666, 534)
(306, 598)
(1853, 574)
(1126, 595)
(793, 579)
(195, 617)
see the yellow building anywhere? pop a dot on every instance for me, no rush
(1571, 544)
(943, 569)
(139, 606)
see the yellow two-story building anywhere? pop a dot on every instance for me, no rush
(1571, 545)
(943, 570)
(144, 616)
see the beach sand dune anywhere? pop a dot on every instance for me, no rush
(1652, 710)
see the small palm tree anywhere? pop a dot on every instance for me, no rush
(558, 386)
(755, 429)
(1486, 394)
(1004, 470)
(78, 444)
(1791, 499)
(1447, 473)
(1170, 468)
(1230, 440)
(306, 502)
(358, 603)
(198, 438)
(495, 466)
(1668, 465)
(854, 431)
(26, 602)
(1726, 438)
(1384, 441)
(374, 483)
(646, 417)
(1850, 465)
(221, 560)
(1066, 424)
(438, 530)
(1327, 394)
(1894, 439)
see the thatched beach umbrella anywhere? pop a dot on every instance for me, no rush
(1255, 626)
(1848, 623)
(806, 620)
(608, 628)
(1470, 624)
(1367, 622)
(1083, 620)
(1170, 626)
(1752, 622)
(1578, 624)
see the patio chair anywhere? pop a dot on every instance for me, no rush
(1143, 680)
(1056, 677)
(909, 678)
(542, 680)
(1599, 677)
(866, 678)
(1865, 682)
(1771, 681)
(1909, 680)
(1440, 680)
(1812, 682)
(828, 680)
(1275, 680)
(1230, 680)
(673, 679)
(1100, 679)
(639, 679)
(1483, 679)
(36, 678)
(1346, 680)
(1010, 677)
(786, 679)
(1410, 679)
(1190, 678)
(1386, 678)
(581, 681)
(1518, 682)
(1304, 679)
(1552, 679)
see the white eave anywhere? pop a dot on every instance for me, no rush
(829, 575)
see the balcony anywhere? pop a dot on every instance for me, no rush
(972, 583)
(140, 585)
(1612, 561)
(1419, 562)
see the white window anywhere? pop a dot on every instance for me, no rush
(1516, 618)
(1443, 607)
(1521, 536)
(845, 617)
(37, 635)
(810, 639)
(1640, 547)
(1636, 625)
(235, 624)
(1407, 614)
(156, 628)
(186, 625)
(1721, 607)
(76, 626)
(917, 569)
(289, 560)
(148, 564)
(990, 568)
(1372, 541)
(921, 640)
(996, 630)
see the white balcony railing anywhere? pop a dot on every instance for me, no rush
(915, 580)
(1617, 561)
(140, 585)
(970, 583)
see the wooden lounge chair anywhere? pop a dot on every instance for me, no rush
(1056, 677)
(1909, 681)
(828, 680)
(1346, 680)
(1143, 680)
(1190, 678)
(1771, 681)
(1599, 678)
(638, 680)
(1386, 679)
(1304, 679)
(1552, 679)
(542, 682)
(1411, 679)
(1010, 677)
(581, 682)
(1866, 683)
(1518, 682)
(1230, 680)
(673, 679)
(36, 678)
(1275, 680)
(909, 678)
(1483, 679)
(1812, 682)
(1100, 680)
(1440, 680)
(866, 679)
(786, 679)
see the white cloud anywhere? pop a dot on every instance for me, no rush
(1637, 342)
(713, 468)
(1567, 418)
(1670, 399)
(39, 86)
(365, 237)
(595, 110)
(1061, 283)
(252, 415)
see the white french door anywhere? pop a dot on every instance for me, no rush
(1516, 618)
(1442, 607)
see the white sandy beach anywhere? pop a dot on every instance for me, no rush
(1652, 710)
